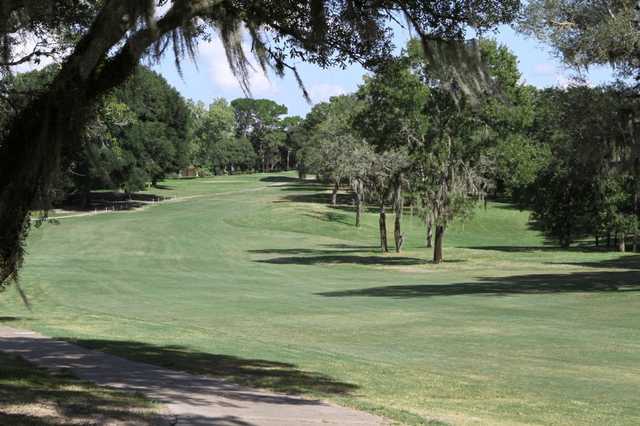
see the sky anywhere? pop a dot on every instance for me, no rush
(210, 77)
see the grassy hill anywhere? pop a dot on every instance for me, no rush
(256, 279)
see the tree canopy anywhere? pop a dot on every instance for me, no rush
(101, 44)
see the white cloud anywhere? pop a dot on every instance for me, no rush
(545, 68)
(220, 72)
(321, 92)
(560, 76)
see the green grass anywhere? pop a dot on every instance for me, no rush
(31, 396)
(256, 279)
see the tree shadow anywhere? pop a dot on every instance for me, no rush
(548, 247)
(100, 200)
(577, 282)
(280, 179)
(217, 421)
(345, 259)
(336, 254)
(278, 376)
(337, 217)
(163, 187)
(334, 249)
(47, 398)
(631, 261)
(12, 319)
(167, 374)
(349, 247)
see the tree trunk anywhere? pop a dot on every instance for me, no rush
(608, 239)
(32, 144)
(597, 240)
(437, 250)
(383, 230)
(397, 234)
(358, 200)
(85, 199)
(398, 206)
(334, 194)
(621, 242)
(429, 231)
(636, 197)
(29, 157)
(288, 152)
(357, 186)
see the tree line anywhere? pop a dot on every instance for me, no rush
(403, 139)
(144, 131)
(570, 155)
(99, 45)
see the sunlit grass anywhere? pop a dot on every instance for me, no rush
(257, 279)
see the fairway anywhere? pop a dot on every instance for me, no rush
(255, 278)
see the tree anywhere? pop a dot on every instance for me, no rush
(361, 159)
(586, 33)
(158, 138)
(259, 121)
(445, 172)
(589, 186)
(137, 134)
(330, 140)
(110, 38)
(214, 128)
(293, 133)
(394, 101)
(381, 172)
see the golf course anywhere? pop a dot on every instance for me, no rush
(258, 280)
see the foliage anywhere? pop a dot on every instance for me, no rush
(585, 33)
(590, 183)
(137, 135)
(216, 146)
(394, 103)
(108, 39)
(259, 120)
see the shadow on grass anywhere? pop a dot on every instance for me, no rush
(631, 261)
(281, 179)
(34, 396)
(99, 200)
(530, 249)
(163, 186)
(277, 376)
(11, 319)
(336, 217)
(331, 249)
(337, 254)
(577, 282)
(344, 259)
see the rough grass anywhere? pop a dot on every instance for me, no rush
(31, 396)
(256, 279)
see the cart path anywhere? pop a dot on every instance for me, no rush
(189, 399)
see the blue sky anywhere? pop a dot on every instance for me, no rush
(211, 78)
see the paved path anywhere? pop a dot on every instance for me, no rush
(190, 399)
